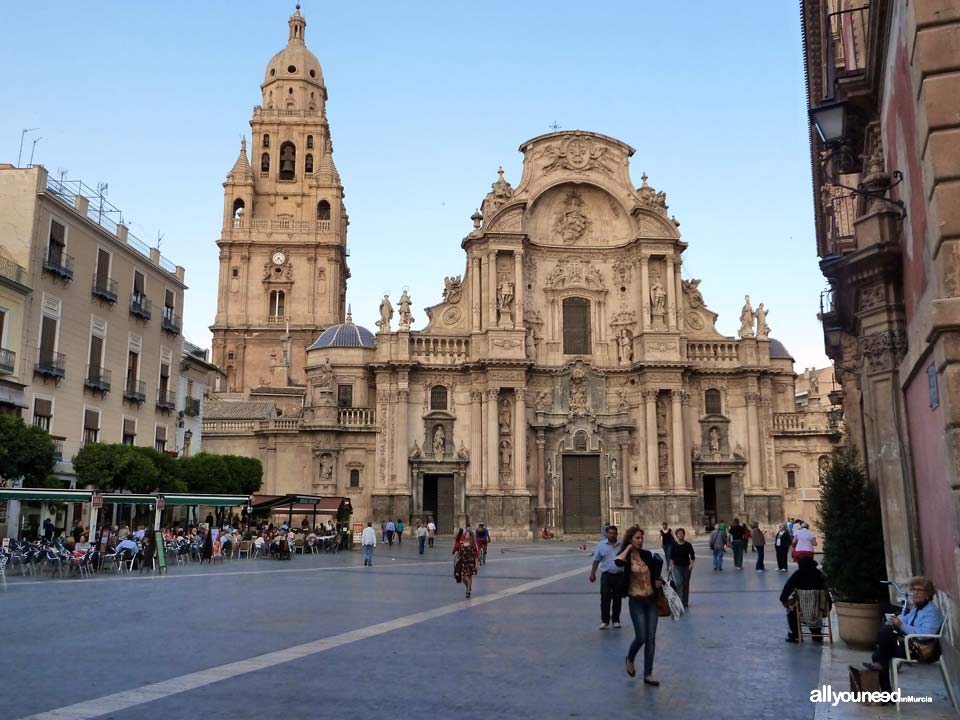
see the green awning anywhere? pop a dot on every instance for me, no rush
(128, 499)
(210, 500)
(45, 495)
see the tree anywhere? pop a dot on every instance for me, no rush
(207, 473)
(28, 453)
(849, 511)
(246, 471)
(115, 468)
(168, 471)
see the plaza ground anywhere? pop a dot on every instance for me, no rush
(323, 637)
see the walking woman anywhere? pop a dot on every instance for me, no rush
(643, 583)
(467, 558)
(456, 542)
(782, 543)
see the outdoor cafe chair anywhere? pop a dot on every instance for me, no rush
(3, 571)
(942, 635)
(54, 560)
(244, 547)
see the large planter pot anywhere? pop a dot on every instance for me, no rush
(857, 623)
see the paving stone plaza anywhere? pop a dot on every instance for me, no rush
(323, 637)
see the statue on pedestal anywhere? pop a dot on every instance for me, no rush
(439, 442)
(406, 317)
(747, 317)
(658, 296)
(386, 314)
(763, 330)
(624, 347)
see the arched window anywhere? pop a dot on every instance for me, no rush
(266, 140)
(238, 207)
(308, 164)
(355, 478)
(576, 326)
(277, 303)
(288, 161)
(438, 397)
(323, 210)
(711, 402)
(791, 478)
(309, 142)
(265, 162)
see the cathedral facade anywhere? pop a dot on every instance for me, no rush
(568, 377)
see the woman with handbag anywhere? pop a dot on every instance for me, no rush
(466, 565)
(643, 584)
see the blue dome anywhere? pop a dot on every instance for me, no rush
(778, 351)
(346, 335)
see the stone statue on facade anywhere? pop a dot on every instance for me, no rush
(462, 453)
(624, 347)
(613, 467)
(506, 455)
(326, 469)
(542, 403)
(504, 417)
(763, 330)
(695, 296)
(747, 318)
(623, 405)
(504, 300)
(658, 296)
(813, 382)
(452, 289)
(439, 442)
(415, 452)
(714, 440)
(406, 317)
(325, 374)
(386, 314)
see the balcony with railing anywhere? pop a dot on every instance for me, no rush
(50, 364)
(8, 361)
(58, 447)
(59, 264)
(279, 425)
(13, 273)
(438, 350)
(228, 427)
(713, 353)
(166, 400)
(97, 379)
(135, 390)
(283, 225)
(191, 407)
(847, 46)
(171, 323)
(277, 319)
(140, 306)
(104, 288)
(801, 423)
(357, 417)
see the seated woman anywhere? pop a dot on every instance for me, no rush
(547, 535)
(923, 617)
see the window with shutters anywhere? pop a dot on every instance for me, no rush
(164, 386)
(791, 478)
(160, 443)
(129, 431)
(133, 371)
(438, 397)
(58, 242)
(711, 402)
(43, 413)
(278, 302)
(91, 426)
(48, 339)
(355, 478)
(576, 326)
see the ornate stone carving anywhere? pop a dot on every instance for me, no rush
(504, 416)
(624, 347)
(575, 273)
(624, 317)
(622, 270)
(695, 321)
(658, 296)
(739, 453)
(694, 298)
(576, 154)
(579, 394)
(649, 395)
(507, 344)
(415, 451)
(439, 442)
(651, 199)
(406, 317)
(763, 329)
(623, 404)
(386, 314)
(452, 289)
(747, 318)
(543, 402)
(663, 463)
(325, 374)
(872, 296)
(714, 440)
(462, 453)
(500, 194)
(571, 222)
(884, 350)
(505, 302)
(751, 398)
(451, 316)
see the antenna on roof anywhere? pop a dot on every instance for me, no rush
(554, 126)
(62, 172)
(159, 239)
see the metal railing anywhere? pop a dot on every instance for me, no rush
(166, 400)
(848, 39)
(135, 390)
(105, 288)
(97, 378)
(171, 323)
(12, 271)
(8, 361)
(59, 264)
(58, 447)
(191, 407)
(195, 350)
(140, 305)
(50, 364)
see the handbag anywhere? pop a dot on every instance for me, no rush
(458, 571)
(924, 651)
(663, 605)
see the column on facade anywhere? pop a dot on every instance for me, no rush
(755, 461)
(671, 295)
(245, 283)
(484, 261)
(476, 443)
(687, 446)
(541, 480)
(625, 472)
(475, 271)
(679, 455)
(490, 473)
(518, 289)
(492, 291)
(312, 299)
(401, 454)
(645, 291)
(650, 402)
(520, 440)
(678, 284)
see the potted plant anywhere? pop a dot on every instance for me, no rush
(853, 558)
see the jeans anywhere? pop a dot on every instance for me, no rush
(429, 541)
(389, 534)
(422, 540)
(667, 551)
(609, 596)
(718, 559)
(738, 553)
(643, 613)
(681, 579)
(368, 554)
(399, 537)
(759, 549)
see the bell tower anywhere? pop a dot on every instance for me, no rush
(283, 269)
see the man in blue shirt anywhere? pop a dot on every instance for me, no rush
(388, 531)
(603, 558)
(924, 618)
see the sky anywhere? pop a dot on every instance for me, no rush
(426, 100)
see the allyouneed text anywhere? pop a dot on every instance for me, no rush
(826, 694)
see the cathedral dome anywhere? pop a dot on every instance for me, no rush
(778, 351)
(295, 61)
(346, 335)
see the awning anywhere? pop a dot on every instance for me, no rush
(44, 495)
(12, 396)
(129, 499)
(210, 500)
(298, 504)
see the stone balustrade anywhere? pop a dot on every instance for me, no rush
(290, 226)
(279, 424)
(712, 352)
(357, 417)
(439, 350)
(802, 422)
(228, 426)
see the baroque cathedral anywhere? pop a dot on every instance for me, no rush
(568, 376)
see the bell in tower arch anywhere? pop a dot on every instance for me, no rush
(288, 158)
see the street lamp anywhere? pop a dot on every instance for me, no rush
(830, 121)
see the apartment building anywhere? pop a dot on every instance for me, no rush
(100, 347)
(198, 377)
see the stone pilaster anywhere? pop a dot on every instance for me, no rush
(671, 286)
(625, 473)
(541, 480)
(645, 291)
(492, 291)
(650, 404)
(755, 464)
(475, 273)
(476, 443)
(678, 289)
(520, 440)
(519, 291)
(679, 456)
(491, 471)
(401, 451)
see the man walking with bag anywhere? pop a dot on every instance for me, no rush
(611, 576)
